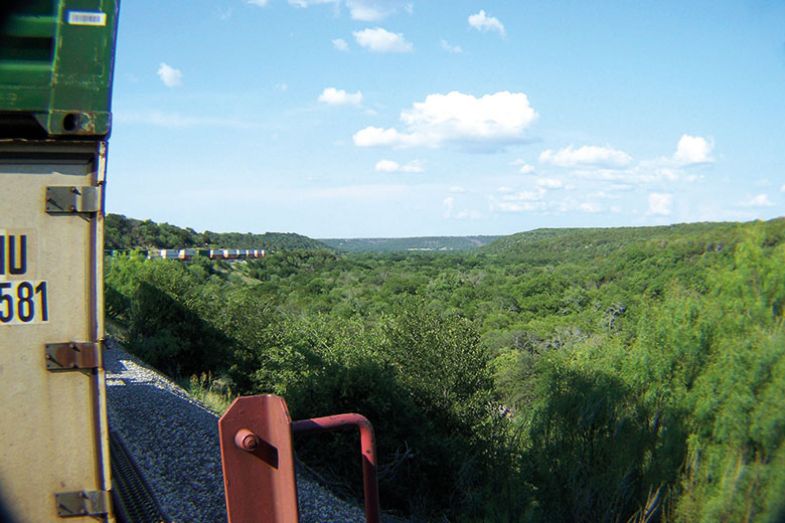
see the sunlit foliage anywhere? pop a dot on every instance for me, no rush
(559, 375)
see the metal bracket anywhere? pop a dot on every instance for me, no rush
(71, 199)
(72, 356)
(82, 503)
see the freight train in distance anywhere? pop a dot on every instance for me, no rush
(189, 254)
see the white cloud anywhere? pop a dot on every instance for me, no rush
(260, 3)
(170, 76)
(375, 10)
(535, 201)
(485, 23)
(692, 150)
(590, 207)
(490, 120)
(380, 40)
(333, 96)
(587, 155)
(387, 166)
(526, 196)
(550, 183)
(390, 166)
(457, 189)
(759, 200)
(523, 167)
(452, 49)
(524, 201)
(360, 10)
(645, 172)
(519, 206)
(782, 189)
(340, 44)
(283, 87)
(376, 136)
(660, 203)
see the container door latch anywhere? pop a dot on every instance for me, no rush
(82, 503)
(71, 200)
(72, 356)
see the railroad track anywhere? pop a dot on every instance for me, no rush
(170, 441)
(132, 496)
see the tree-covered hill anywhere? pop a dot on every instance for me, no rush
(424, 243)
(572, 244)
(128, 233)
(631, 374)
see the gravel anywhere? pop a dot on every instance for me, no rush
(174, 441)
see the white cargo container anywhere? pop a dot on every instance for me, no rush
(54, 460)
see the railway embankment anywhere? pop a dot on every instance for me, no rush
(173, 439)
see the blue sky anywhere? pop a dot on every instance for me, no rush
(388, 118)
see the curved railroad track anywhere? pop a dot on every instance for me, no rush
(172, 441)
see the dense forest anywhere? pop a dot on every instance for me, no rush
(630, 374)
(425, 243)
(123, 233)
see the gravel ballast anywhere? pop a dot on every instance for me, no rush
(174, 441)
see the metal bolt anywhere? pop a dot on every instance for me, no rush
(246, 440)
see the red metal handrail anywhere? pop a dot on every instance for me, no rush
(367, 448)
(258, 459)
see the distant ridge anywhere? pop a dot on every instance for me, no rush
(550, 245)
(424, 243)
(129, 233)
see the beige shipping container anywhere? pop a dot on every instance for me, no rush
(54, 460)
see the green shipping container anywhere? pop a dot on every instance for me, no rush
(56, 64)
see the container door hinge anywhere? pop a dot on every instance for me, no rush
(72, 356)
(71, 200)
(82, 503)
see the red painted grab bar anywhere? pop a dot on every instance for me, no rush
(367, 448)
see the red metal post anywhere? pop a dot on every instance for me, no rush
(258, 461)
(367, 447)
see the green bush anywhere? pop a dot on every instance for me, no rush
(559, 375)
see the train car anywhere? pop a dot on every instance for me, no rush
(231, 254)
(186, 254)
(55, 82)
(216, 254)
(170, 254)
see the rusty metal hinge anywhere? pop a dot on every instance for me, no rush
(70, 200)
(72, 355)
(82, 503)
